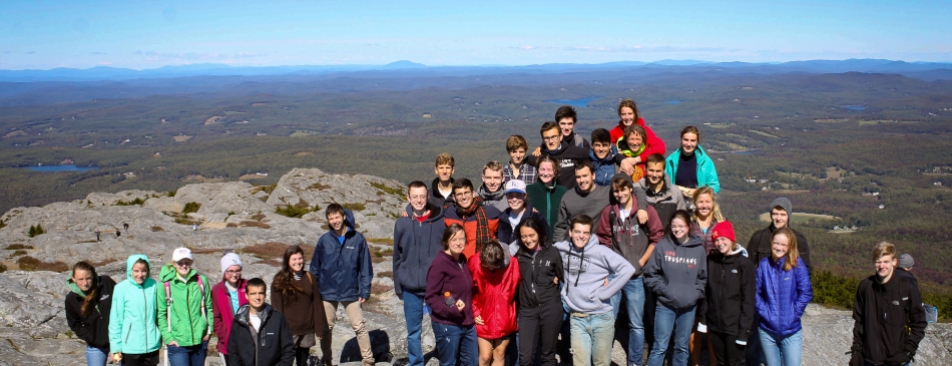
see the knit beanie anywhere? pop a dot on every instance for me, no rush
(724, 229)
(906, 261)
(783, 203)
(230, 259)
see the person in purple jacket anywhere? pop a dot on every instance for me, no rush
(782, 280)
(449, 294)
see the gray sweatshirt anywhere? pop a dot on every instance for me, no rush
(585, 273)
(677, 272)
(576, 202)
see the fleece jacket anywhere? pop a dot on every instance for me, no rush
(415, 244)
(132, 326)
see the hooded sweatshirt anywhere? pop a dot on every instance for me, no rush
(626, 236)
(666, 201)
(94, 328)
(731, 287)
(496, 199)
(132, 327)
(343, 271)
(270, 344)
(224, 314)
(677, 272)
(585, 271)
(415, 244)
(191, 319)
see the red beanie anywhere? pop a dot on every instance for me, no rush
(725, 229)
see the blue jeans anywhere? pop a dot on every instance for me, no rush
(592, 337)
(96, 356)
(634, 292)
(667, 321)
(781, 350)
(188, 356)
(413, 311)
(456, 345)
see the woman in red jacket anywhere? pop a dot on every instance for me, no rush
(495, 280)
(227, 296)
(627, 116)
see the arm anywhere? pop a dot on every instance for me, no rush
(277, 301)
(917, 318)
(804, 290)
(160, 313)
(748, 284)
(603, 229)
(653, 273)
(477, 294)
(234, 348)
(655, 229)
(116, 316)
(562, 224)
(434, 296)
(366, 270)
(217, 310)
(209, 313)
(320, 317)
(653, 144)
(859, 307)
(702, 316)
(75, 321)
(645, 257)
(710, 176)
(315, 267)
(759, 301)
(804, 247)
(623, 272)
(398, 257)
(701, 282)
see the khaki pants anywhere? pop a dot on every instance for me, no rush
(356, 315)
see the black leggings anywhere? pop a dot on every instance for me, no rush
(144, 359)
(726, 349)
(539, 326)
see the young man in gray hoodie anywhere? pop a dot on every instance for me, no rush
(588, 199)
(593, 274)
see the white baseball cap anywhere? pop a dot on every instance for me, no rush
(181, 253)
(515, 185)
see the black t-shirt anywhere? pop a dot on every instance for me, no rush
(567, 157)
(686, 176)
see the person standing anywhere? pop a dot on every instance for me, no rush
(441, 192)
(540, 305)
(516, 147)
(659, 191)
(760, 245)
(566, 154)
(481, 222)
(295, 293)
(449, 293)
(87, 310)
(588, 199)
(603, 155)
(783, 292)
(518, 211)
(416, 241)
(185, 314)
(134, 337)
(260, 335)
(691, 167)
(341, 265)
(546, 194)
(495, 280)
(889, 320)
(491, 191)
(227, 296)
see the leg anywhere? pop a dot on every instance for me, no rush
(499, 351)
(718, 344)
(356, 315)
(752, 353)
(96, 356)
(663, 327)
(197, 354)
(603, 335)
(468, 353)
(695, 344)
(447, 343)
(300, 355)
(548, 332)
(529, 323)
(769, 347)
(581, 341)
(734, 352)
(413, 312)
(565, 348)
(635, 296)
(177, 356)
(791, 348)
(682, 336)
(485, 351)
(327, 354)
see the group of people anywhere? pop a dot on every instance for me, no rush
(558, 245)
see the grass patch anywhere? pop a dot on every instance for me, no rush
(19, 246)
(297, 210)
(258, 216)
(388, 190)
(355, 206)
(156, 229)
(191, 207)
(388, 274)
(3, 267)
(29, 263)
(376, 259)
(271, 250)
(136, 202)
(377, 289)
(35, 230)
(266, 189)
(18, 253)
(318, 186)
(387, 241)
(383, 253)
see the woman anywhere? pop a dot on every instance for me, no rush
(540, 305)
(782, 281)
(690, 167)
(295, 293)
(707, 213)
(495, 280)
(185, 313)
(449, 294)
(87, 310)
(677, 274)
(227, 296)
(628, 115)
(133, 335)
(727, 312)
(545, 194)
(632, 147)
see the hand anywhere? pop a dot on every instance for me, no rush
(537, 151)
(642, 216)
(460, 305)
(701, 328)
(556, 280)
(404, 214)
(479, 320)
(361, 300)
(628, 166)
(116, 357)
(173, 343)
(606, 282)
(206, 337)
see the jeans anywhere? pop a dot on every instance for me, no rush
(667, 321)
(413, 311)
(456, 345)
(592, 336)
(781, 350)
(634, 292)
(188, 356)
(96, 356)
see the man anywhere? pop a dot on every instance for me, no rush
(341, 264)
(491, 191)
(566, 154)
(260, 335)
(619, 230)
(781, 210)
(518, 211)
(906, 262)
(480, 222)
(889, 321)
(441, 192)
(603, 155)
(566, 117)
(416, 241)
(588, 199)
(665, 197)
(593, 274)
(516, 147)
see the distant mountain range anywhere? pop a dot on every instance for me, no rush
(922, 70)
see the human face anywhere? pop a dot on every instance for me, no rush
(417, 197)
(622, 194)
(529, 237)
(516, 200)
(139, 272)
(464, 197)
(779, 246)
(724, 245)
(517, 155)
(296, 262)
(601, 149)
(779, 217)
(335, 220)
(546, 172)
(255, 296)
(584, 179)
(233, 274)
(492, 180)
(580, 234)
(885, 266)
(83, 280)
(566, 125)
(705, 205)
(688, 143)
(627, 116)
(654, 172)
(635, 141)
(679, 228)
(444, 172)
(552, 138)
(183, 266)
(456, 244)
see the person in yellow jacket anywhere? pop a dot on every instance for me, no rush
(185, 316)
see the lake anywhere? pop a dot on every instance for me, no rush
(61, 168)
(577, 103)
(674, 101)
(855, 107)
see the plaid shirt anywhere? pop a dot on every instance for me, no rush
(528, 174)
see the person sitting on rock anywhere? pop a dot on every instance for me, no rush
(260, 335)
(295, 293)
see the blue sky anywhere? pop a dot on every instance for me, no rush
(148, 34)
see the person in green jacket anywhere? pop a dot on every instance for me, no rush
(185, 314)
(689, 167)
(546, 194)
(133, 335)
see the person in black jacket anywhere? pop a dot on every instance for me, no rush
(260, 336)
(781, 212)
(87, 310)
(540, 305)
(727, 313)
(886, 305)
(518, 211)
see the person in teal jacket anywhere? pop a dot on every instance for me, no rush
(133, 335)
(186, 321)
(689, 167)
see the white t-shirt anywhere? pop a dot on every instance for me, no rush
(514, 221)
(624, 214)
(255, 321)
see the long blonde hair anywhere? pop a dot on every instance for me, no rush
(716, 212)
(793, 254)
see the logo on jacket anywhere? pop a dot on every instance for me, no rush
(734, 270)
(895, 302)
(106, 296)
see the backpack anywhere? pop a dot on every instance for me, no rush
(168, 303)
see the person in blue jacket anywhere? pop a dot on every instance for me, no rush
(341, 264)
(689, 167)
(783, 292)
(603, 155)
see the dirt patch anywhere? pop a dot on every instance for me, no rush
(275, 250)
(213, 120)
(305, 153)
(28, 263)
(181, 138)
(258, 224)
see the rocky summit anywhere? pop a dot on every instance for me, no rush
(38, 244)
